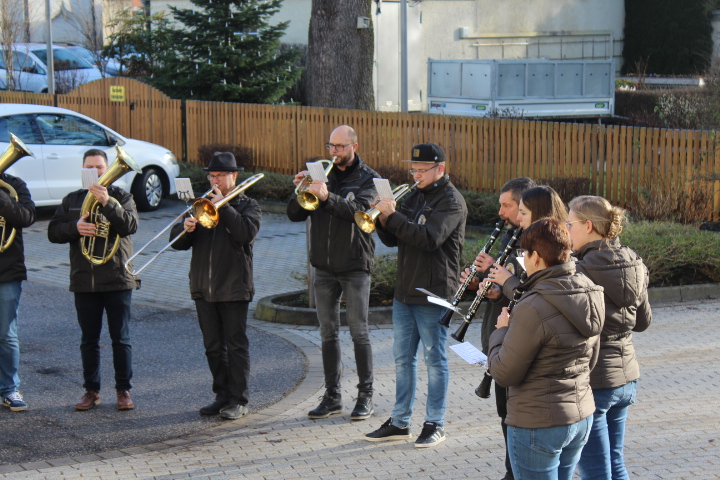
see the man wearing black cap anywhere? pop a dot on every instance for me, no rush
(107, 287)
(221, 283)
(429, 231)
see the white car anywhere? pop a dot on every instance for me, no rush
(29, 66)
(59, 137)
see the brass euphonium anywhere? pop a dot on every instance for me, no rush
(306, 199)
(15, 151)
(122, 165)
(366, 220)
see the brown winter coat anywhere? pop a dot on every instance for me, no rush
(545, 355)
(623, 276)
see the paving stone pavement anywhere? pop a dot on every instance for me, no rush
(673, 429)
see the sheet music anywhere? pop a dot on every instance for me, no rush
(469, 353)
(89, 176)
(521, 261)
(382, 185)
(317, 171)
(184, 189)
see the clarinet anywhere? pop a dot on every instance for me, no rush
(483, 390)
(459, 335)
(445, 319)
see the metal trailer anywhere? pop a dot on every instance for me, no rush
(530, 88)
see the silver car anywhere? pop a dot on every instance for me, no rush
(58, 138)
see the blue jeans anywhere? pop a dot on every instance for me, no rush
(602, 457)
(412, 324)
(547, 453)
(9, 345)
(90, 307)
(329, 287)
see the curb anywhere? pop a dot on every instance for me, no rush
(684, 293)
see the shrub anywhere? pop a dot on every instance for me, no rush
(274, 186)
(568, 187)
(482, 208)
(243, 155)
(395, 175)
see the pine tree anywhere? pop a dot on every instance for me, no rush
(227, 51)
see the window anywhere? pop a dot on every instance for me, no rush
(20, 125)
(71, 130)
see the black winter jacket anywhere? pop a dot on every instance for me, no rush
(338, 245)
(221, 268)
(123, 217)
(429, 230)
(18, 215)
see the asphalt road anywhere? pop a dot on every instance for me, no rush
(171, 380)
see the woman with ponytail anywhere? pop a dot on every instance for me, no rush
(594, 226)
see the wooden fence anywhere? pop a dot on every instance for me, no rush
(482, 153)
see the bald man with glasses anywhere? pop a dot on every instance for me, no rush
(343, 257)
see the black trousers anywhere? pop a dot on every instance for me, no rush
(223, 326)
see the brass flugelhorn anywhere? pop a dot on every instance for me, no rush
(15, 151)
(306, 199)
(206, 213)
(366, 220)
(122, 165)
(445, 319)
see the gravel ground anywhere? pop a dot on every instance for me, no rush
(171, 380)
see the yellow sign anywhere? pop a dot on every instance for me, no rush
(117, 93)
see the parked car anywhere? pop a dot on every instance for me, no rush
(29, 65)
(110, 66)
(58, 138)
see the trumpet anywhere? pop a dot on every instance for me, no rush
(366, 220)
(206, 212)
(459, 335)
(15, 151)
(123, 164)
(307, 199)
(445, 319)
(483, 390)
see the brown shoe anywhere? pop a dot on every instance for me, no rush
(124, 400)
(88, 401)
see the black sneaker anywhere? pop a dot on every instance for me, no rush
(233, 412)
(331, 404)
(214, 408)
(431, 435)
(15, 402)
(388, 432)
(363, 407)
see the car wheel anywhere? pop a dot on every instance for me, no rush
(148, 190)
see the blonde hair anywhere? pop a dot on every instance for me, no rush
(606, 219)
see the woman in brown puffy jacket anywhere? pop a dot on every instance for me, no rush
(543, 352)
(594, 227)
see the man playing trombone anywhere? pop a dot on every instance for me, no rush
(343, 256)
(100, 287)
(221, 283)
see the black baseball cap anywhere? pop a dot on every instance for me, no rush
(427, 153)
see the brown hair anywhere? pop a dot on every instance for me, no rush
(94, 152)
(550, 239)
(543, 201)
(606, 219)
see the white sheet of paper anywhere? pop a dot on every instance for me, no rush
(427, 292)
(521, 261)
(469, 353)
(382, 185)
(89, 176)
(317, 171)
(443, 303)
(184, 189)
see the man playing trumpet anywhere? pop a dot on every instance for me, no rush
(343, 256)
(106, 287)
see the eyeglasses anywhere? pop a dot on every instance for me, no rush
(567, 224)
(413, 171)
(218, 176)
(331, 146)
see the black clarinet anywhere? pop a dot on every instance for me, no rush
(445, 319)
(483, 390)
(459, 335)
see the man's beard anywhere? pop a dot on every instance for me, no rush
(344, 160)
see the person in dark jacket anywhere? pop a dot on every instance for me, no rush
(429, 230)
(16, 214)
(594, 226)
(221, 283)
(343, 256)
(543, 352)
(510, 195)
(97, 288)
